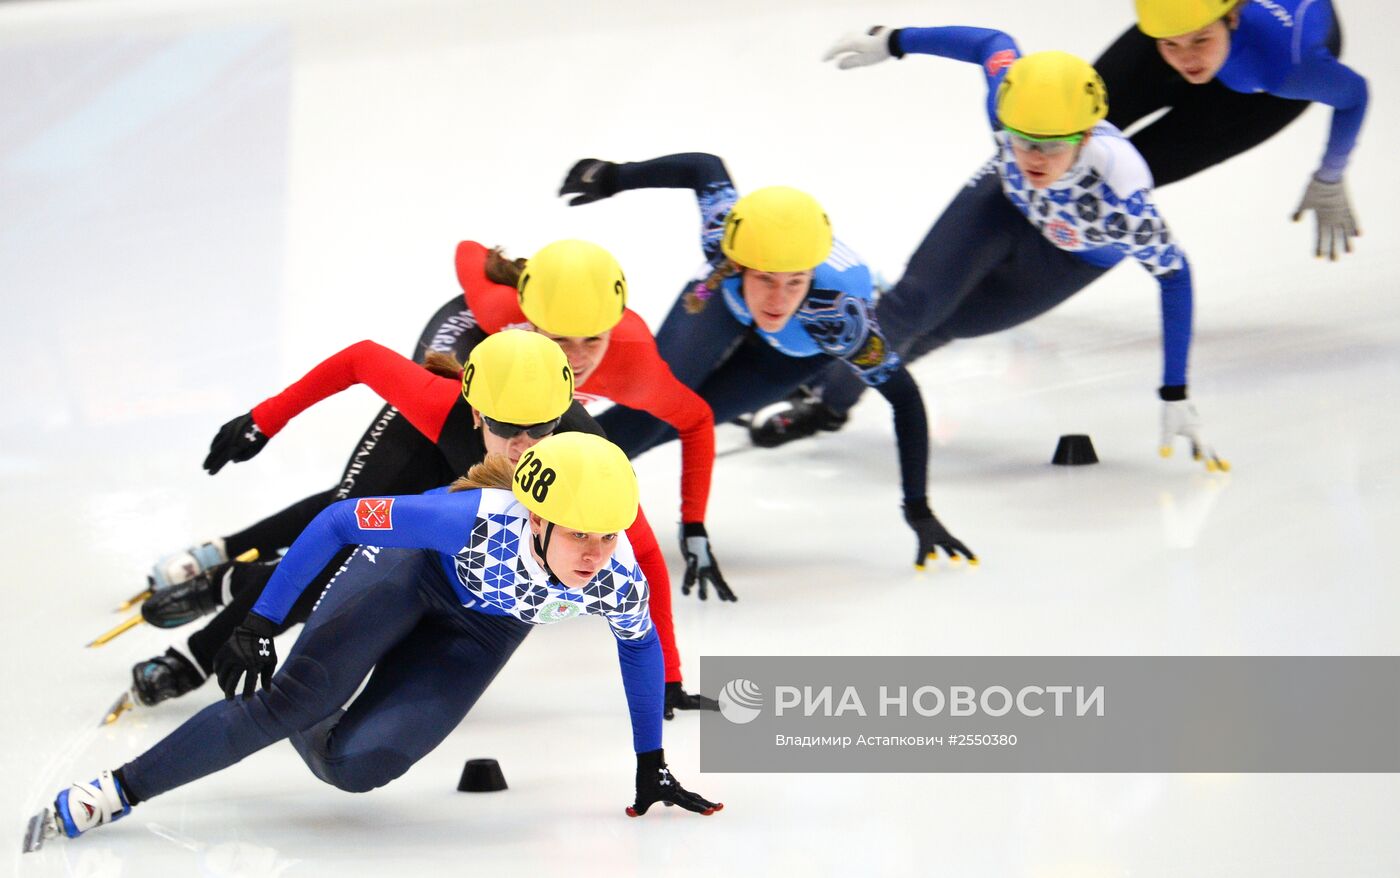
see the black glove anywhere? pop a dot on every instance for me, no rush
(655, 783)
(238, 440)
(249, 650)
(679, 699)
(590, 180)
(700, 564)
(933, 536)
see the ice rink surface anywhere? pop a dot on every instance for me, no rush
(198, 201)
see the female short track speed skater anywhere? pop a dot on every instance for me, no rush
(772, 270)
(1233, 73)
(576, 288)
(434, 607)
(1065, 198)
(574, 292)
(516, 389)
(577, 296)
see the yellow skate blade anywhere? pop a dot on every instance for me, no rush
(116, 632)
(119, 707)
(134, 600)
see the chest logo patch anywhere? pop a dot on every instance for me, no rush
(872, 354)
(1062, 233)
(557, 611)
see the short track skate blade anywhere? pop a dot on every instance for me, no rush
(134, 600)
(120, 629)
(42, 827)
(119, 707)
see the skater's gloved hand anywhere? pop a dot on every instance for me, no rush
(863, 48)
(679, 699)
(248, 651)
(1179, 418)
(590, 180)
(933, 536)
(238, 440)
(700, 564)
(1335, 223)
(655, 783)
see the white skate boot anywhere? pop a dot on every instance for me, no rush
(76, 810)
(187, 563)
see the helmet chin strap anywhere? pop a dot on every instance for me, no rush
(541, 546)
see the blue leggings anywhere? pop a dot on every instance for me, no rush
(389, 610)
(982, 268)
(722, 360)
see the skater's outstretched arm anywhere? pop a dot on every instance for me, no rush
(704, 174)
(431, 521)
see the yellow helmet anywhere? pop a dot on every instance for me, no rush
(518, 377)
(572, 288)
(1051, 94)
(579, 481)
(1172, 18)
(777, 228)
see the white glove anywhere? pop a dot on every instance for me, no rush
(861, 48)
(1179, 418)
(1334, 219)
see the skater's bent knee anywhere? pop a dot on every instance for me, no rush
(366, 771)
(302, 693)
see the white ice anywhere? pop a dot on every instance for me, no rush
(198, 201)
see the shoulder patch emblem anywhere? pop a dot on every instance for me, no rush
(375, 513)
(1000, 61)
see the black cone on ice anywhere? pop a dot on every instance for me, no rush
(1075, 449)
(481, 776)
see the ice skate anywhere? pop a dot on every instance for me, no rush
(76, 810)
(183, 602)
(164, 677)
(213, 572)
(187, 563)
(154, 680)
(803, 414)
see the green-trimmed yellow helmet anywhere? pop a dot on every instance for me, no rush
(518, 377)
(1160, 19)
(1051, 94)
(777, 228)
(579, 481)
(573, 288)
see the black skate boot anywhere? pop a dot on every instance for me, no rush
(802, 415)
(183, 602)
(164, 677)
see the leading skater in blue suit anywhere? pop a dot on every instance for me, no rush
(446, 586)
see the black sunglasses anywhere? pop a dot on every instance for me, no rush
(510, 431)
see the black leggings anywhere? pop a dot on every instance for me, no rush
(1205, 125)
(392, 457)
